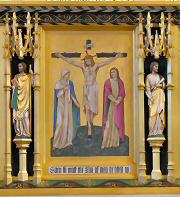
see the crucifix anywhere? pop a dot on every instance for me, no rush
(89, 68)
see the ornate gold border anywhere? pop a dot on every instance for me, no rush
(90, 3)
(128, 160)
(88, 191)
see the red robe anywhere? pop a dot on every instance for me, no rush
(119, 111)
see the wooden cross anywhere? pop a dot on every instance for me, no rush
(89, 46)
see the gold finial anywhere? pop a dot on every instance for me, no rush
(14, 16)
(140, 19)
(162, 16)
(28, 18)
(36, 18)
(7, 19)
(169, 19)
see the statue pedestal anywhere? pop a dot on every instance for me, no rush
(23, 145)
(156, 143)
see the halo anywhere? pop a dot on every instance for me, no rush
(87, 54)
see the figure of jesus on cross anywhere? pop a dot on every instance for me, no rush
(90, 92)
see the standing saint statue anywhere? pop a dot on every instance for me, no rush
(21, 100)
(155, 86)
(66, 112)
(90, 93)
(113, 126)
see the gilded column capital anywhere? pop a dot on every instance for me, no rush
(36, 87)
(7, 87)
(141, 86)
(170, 86)
(141, 73)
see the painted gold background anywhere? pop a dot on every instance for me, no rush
(74, 41)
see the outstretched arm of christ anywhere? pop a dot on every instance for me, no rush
(68, 60)
(101, 64)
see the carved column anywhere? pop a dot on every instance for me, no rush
(37, 167)
(156, 143)
(170, 86)
(7, 89)
(22, 144)
(141, 86)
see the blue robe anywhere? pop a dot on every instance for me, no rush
(75, 110)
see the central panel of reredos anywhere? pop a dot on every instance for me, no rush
(89, 97)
